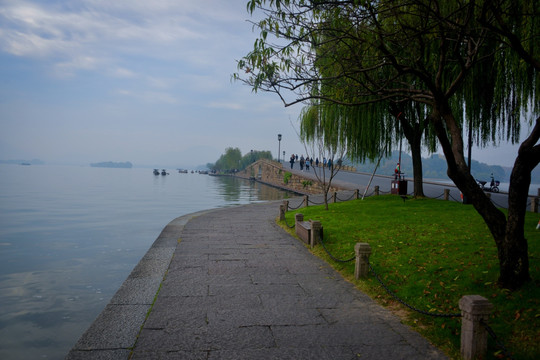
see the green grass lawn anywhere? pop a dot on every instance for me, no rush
(431, 253)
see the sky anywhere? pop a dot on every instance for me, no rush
(135, 80)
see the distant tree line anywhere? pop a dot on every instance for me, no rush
(233, 160)
(435, 167)
(111, 164)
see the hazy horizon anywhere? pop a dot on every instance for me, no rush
(145, 82)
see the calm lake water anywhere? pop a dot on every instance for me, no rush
(69, 237)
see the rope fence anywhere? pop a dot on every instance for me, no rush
(296, 208)
(447, 195)
(498, 342)
(438, 197)
(403, 302)
(385, 287)
(432, 313)
(321, 240)
(315, 203)
(348, 199)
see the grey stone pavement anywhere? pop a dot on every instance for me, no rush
(234, 285)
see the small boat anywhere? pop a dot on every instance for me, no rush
(164, 172)
(182, 171)
(156, 172)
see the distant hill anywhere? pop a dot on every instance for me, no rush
(32, 162)
(435, 167)
(110, 164)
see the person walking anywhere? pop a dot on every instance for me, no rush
(292, 161)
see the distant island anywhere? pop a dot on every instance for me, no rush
(110, 164)
(23, 162)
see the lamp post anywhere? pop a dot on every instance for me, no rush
(279, 146)
(284, 156)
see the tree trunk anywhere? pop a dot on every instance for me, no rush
(513, 251)
(417, 171)
(415, 142)
(514, 258)
(508, 235)
(413, 134)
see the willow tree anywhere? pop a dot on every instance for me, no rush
(373, 125)
(440, 54)
(372, 130)
(328, 65)
(323, 140)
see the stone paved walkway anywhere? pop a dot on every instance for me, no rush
(239, 287)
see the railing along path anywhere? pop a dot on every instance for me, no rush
(482, 320)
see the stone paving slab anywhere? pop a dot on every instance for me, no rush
(239, 287)
(236, 286)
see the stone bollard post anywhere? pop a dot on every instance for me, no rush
(474, 309)
(357, 194)
(334, 197)
(316, 228)
(534, 205)
(377, 190)
(298, 218)
(282, 212)
(306, 200)
(361, 268)
(286, 204)
(446, 194)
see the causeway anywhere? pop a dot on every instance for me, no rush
(231, 284)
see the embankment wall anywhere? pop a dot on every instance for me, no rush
(274, 174)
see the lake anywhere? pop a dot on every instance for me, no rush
(69, 237)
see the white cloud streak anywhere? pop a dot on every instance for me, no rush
(159, 71)
(108, 29)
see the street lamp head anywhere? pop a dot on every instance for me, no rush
(279, 137)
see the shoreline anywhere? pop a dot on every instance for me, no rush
(114, 331)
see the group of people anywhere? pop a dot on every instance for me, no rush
(307, 162)
(304, 162)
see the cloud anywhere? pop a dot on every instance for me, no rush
(123, 73)
(70, 67)
(226, 105)
(149, 96)
(159, 72)
(160, 83)
(93, 29)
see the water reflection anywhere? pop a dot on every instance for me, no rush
(236, 190)
(69, 237)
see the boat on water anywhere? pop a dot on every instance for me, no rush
(182, 171)
(156, 172)
(164, 172)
